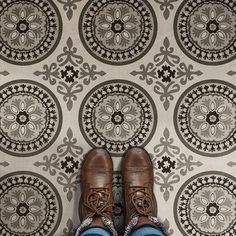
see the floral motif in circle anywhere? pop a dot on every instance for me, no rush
(205, 205)
(212, 118)
(24, 118)
(204, 118)
(118, 26)
(116, 115)
(29, 30)
(212, 209)
(118, 118)
(118, 32)
(31, 118)
(24, 209)
(212, 26)
(24, 26)
(205, 30)
(29, 205)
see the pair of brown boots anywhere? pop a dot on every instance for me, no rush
(96, 188)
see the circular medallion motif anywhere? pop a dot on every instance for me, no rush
(206, 205)
(116, 115)
(30, 30)
(29, 205)
(205, 30)
(204, 118)
(31, 118)
(118, 32)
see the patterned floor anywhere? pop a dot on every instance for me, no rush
(77, 74)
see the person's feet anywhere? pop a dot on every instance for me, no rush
(137, 170)
(96, 187)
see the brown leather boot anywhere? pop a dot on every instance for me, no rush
(96, 191)
(138, 190)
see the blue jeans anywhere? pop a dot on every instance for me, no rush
(142, 231)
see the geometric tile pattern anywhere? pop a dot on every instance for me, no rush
(78, 74)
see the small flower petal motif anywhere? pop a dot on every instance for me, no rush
(70, 165)
(166, 73)
(69, 74)
(166, 164)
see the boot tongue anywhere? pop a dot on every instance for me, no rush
(98, 201)
(97, 222)
(142, 202)
(143, 220)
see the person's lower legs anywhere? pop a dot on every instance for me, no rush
(96, 231)
(142, 231)
(147, 231)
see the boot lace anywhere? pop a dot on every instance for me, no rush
(141, 200)
(98, 202)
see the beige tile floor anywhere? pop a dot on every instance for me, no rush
(64, 89)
